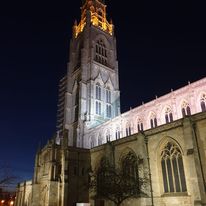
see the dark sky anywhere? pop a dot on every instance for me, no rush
(161, 45)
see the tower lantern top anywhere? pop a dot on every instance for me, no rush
(97, 17)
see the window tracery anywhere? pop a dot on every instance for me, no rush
(172, 169)
(168, 115)
(98, 99)
(108, 103)
(128, 129)
(101, 53)
(108, 136)
(117, 134)
(98, 91)
(129, 165)
(153, 120)
(140, 126)
(185, 109)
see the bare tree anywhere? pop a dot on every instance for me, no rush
(117, 185)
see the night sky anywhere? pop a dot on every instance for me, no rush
(161, 45)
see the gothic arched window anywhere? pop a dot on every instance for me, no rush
(98, 99)
(117, 134)
(108, 136)
(185, 109)
(128, 130)
(168, 115)
(140, 126)
(99, 140)
(129, 165)
(108, 103)
(108, 95)
(101, 53)
(98, 91)
(172, 169)
(98, 107)
(153, 120)
(203, 102)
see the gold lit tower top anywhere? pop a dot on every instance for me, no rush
(94, 12)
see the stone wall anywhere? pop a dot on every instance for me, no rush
(189, 134)
(23, 194)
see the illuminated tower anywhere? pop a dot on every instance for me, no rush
(93, 95)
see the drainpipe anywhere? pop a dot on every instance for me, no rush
(150, 175)
(198, 152)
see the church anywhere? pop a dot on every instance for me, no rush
(167, 136)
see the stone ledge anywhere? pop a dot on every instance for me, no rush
(175, 194)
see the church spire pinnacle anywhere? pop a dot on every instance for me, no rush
(97, 17)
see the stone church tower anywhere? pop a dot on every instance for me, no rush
(92, 95)
(88, 96)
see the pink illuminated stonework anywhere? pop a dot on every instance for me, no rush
(187, 100)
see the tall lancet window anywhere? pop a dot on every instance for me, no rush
(153, 120)
(98, 99)
(203, 102)
(140, 126)
(168, 115)
(128, 129)
(117, 133)
(185, 109)
(108, 136)
(108, 103)
(101, 53)
(129, 165)
(173, 169)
